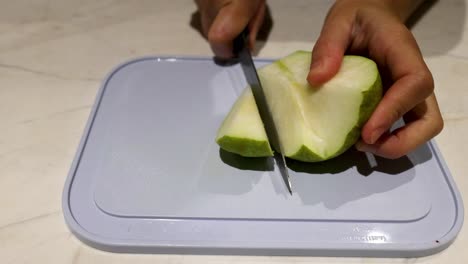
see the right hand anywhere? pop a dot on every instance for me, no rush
(223, 20)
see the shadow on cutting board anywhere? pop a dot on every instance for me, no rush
(336, 181)
(217, 178)
(348, 177)
(243, 163)
(354, 158)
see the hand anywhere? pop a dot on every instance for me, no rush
(223, 20)
(375, 28)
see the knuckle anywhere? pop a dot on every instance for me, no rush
(397, 109)
(438, 126)
(398, 112)
(215, 36)
(425, 82)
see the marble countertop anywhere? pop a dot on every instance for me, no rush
(54, 54)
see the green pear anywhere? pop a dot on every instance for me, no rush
(313, 123)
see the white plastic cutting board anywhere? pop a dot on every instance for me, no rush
(149, 177)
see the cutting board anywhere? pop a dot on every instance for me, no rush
(149, 177)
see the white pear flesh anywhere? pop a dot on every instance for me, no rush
(313, 123)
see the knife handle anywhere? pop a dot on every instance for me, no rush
(240, 41)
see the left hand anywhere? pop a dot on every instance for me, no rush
(373, 28)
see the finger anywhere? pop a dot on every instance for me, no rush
(402, 96)
(231, 19)
(414, 84)
(426, 124)
(329, 49)
(255, 24)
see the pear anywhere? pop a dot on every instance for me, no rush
(313, 123)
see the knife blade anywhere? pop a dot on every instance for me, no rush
(245, 59)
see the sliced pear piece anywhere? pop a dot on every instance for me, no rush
(314, 123)
(242, 130)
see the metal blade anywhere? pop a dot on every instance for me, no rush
(281, 162)
(248, 67)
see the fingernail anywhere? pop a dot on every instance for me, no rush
(222, 51)
(315, 69)
(252, 40)
(219, 44)
(363, 147)
(315, 64)
(375, 135)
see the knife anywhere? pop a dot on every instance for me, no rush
(242, 52)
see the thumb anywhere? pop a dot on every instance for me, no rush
(230, 21)
(329, 50)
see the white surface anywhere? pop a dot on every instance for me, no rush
(146, 163)
(53, 55)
